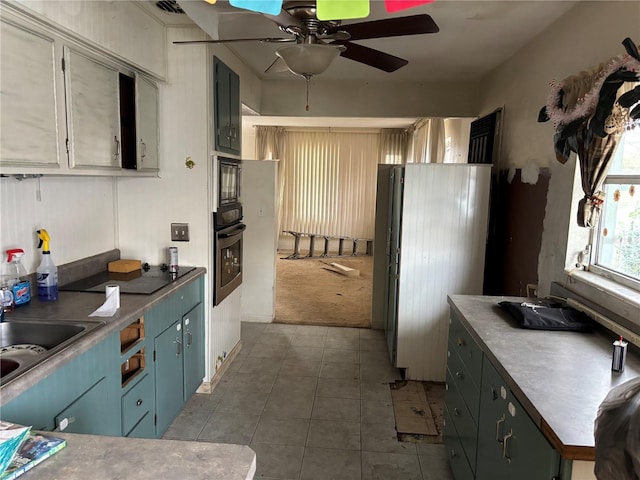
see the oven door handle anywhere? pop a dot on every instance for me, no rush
(236, 231)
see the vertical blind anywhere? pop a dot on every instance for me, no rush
(330, 183)
(327, 178)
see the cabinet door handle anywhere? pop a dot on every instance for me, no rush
(460, 375)
(453, 454)
(117, 152)
(461, 342)
(456, 412)
(139, 402)
(178, 347)
(504, 445)
(189, 338)
(498, 423)
(144, 150)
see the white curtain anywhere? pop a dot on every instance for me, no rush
(271, 145)
(330, 182)
(327, 178)
(394, 145)
(429, 141)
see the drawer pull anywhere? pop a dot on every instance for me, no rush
(461, 342)
(457, 412)
(460, 375)
(453, 454)
(139, 402)
(498, 423)
(504, 445)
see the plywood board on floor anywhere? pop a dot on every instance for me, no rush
(418, 409)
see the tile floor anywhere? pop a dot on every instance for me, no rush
(314, 404)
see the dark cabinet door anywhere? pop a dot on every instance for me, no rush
(226, 108)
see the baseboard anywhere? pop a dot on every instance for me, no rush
(209, 387)
(256, 318)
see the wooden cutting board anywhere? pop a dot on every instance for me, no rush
(125, 266)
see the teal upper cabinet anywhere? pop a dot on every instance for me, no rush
(227, 126)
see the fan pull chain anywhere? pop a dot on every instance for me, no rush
(307, 77)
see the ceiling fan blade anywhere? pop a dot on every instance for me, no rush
(277, 66)
(390, 27)
(234, 40)
(371, 57)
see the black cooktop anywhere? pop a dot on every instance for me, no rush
(144, 282)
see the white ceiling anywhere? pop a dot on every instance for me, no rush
(475, 37)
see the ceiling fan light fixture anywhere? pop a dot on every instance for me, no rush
(307, 60)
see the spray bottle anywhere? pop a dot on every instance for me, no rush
(18, 278)
(47, 272)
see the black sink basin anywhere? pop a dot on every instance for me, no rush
(25, 344)
(7, 366)
(46, 335)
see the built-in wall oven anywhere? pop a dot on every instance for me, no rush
(229, 181)
(227, 254)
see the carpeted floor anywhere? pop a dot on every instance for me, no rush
(308, 293)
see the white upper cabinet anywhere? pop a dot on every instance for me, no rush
(93, 112)
(68, 107)
(147, 119)
(28, 115)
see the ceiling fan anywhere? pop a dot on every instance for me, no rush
(318, 42)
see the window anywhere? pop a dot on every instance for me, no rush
(617, 241)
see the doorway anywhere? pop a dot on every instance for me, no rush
(309, 291)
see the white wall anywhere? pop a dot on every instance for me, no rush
(79, 214)
(370, 99)
(123, 28)
(587, 35)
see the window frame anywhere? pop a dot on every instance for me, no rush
(594, 239)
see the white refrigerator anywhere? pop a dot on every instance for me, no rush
(430, 240)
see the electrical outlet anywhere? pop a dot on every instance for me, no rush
(179, 232)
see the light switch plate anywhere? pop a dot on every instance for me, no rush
(179, 232)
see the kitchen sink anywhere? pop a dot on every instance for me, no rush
(25, 344)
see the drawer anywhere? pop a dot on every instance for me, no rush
(468, 389)
(462, 419)
(136, 402)
(457, 459)
(466, 347)
(189, 296)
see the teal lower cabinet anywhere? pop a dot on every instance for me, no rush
(133, 383)
(179, 365)
(457, 458)
(193, 324)
(169, 375)
(81, 397)
(488, 435)
(510, 445)
(145, 428)
(137, 404)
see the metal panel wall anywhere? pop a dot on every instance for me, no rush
(442, 252)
